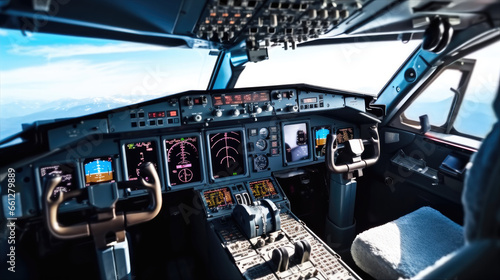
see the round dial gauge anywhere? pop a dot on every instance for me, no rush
(261, 144)
(260, 162)
(264, 133)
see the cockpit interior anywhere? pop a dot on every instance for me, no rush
(249, 177)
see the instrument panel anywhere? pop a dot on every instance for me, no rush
(183, 157)
(273, 131)
(227, 154)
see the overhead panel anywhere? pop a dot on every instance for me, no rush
(264, 23)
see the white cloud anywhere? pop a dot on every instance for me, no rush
(78, 78)
(57, 51)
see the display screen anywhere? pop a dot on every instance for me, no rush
(218, 198)
(345, 134)
(226, 154)
(263, 189)
(160, 114)
(138, 153)
(183, 160)
(321, 133)
(309, 100)
(67, 173)
(296, 142)
(98, 170)
(235, 99)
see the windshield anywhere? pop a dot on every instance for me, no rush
(45, 77)
(363, 67)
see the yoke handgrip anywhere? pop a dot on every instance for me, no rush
(51, 206)
(115, 222)
(332, 147)
(154, 190)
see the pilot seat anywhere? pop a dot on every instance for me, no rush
(427, 245)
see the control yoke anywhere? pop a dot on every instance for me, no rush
(356, 148)
(103, 198)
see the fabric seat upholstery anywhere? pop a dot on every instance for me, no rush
(403, 247)
(425, 244)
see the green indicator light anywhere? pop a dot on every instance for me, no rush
(235, 173)
(130, 146)
(182, 139)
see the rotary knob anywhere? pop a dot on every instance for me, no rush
(236, 112)
(269, 108)
(197, 118)
(257, 110)
(189, 101)
(293, 108)
(218, 113)
(260, 243)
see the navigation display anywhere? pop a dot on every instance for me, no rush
(226, 154)
(98, 170)
(321, 133)
(183, 160)
(138, 153)
(67, 173)
(218, 198)
(263, 189)
(345, 134)
(239, 98)
(296, 142)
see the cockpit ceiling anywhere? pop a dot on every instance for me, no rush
(228, 21)
(237, 23)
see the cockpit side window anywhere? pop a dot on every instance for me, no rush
(435, 101)
(458, 100)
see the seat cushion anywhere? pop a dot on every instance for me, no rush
(404, 247)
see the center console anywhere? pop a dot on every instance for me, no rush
(251, 225)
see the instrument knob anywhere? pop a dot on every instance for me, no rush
(197, 118)
(218, 113)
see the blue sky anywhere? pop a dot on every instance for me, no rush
(39, 69)
(51, 67)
